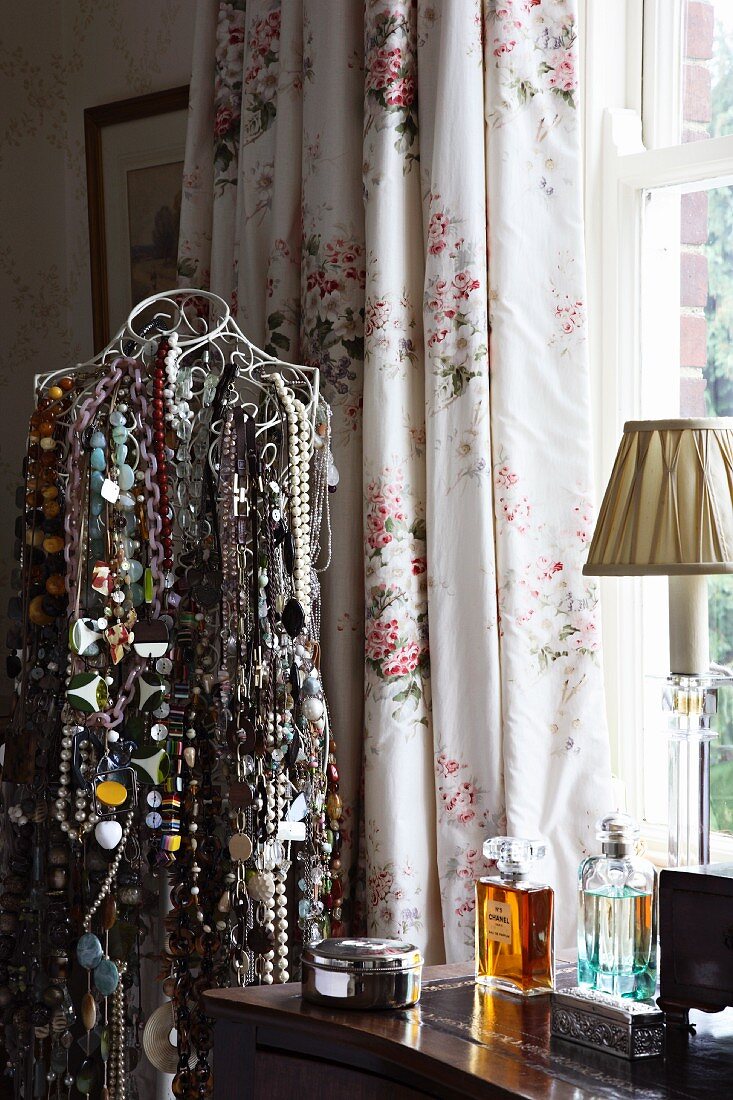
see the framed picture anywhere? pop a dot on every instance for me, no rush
(134, 153)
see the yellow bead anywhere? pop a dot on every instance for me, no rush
(334, 806)
(55, 585)
(36, 614)
(111, 793)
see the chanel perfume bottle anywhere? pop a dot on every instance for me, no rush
(617, 920)
(514, 921)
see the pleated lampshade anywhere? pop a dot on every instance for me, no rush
(668, 506)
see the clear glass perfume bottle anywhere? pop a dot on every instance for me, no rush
(514, 921)
(617, 919)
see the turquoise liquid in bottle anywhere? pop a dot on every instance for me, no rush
(618, 949)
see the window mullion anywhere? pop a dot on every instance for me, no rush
(663, 48)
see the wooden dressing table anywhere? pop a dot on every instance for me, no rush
(457, 1042)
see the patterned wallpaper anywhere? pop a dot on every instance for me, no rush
(57, 59)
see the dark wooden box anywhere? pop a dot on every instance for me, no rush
(696, 937)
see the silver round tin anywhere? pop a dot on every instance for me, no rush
(362, 973)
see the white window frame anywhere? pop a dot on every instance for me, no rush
(621, 164)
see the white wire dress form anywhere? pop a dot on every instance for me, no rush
(217, 381)
(208, 337)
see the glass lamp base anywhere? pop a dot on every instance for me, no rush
(692, 703)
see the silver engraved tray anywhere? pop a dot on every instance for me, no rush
(626, 1029)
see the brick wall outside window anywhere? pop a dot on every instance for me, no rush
(697, 100)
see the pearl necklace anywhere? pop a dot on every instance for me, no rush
(117, 1073)
(109, 879)
(299, 454)
(172, 355)
(83, 820)
(281, 902)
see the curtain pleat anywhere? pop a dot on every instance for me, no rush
(556, 761)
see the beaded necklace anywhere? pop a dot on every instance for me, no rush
(34, 906)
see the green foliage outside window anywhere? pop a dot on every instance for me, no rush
(719, 396)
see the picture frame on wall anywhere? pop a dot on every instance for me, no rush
(134, 157)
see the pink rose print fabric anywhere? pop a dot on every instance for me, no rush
(389, 190)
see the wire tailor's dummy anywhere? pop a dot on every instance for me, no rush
(170, 750)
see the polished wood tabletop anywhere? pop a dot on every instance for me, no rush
(459, 1041)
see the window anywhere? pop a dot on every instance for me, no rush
(664, 262)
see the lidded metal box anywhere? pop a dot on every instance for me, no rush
(362, 973)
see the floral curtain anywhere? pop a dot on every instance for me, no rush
(391, 191)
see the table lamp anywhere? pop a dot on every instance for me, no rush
(668, 509)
